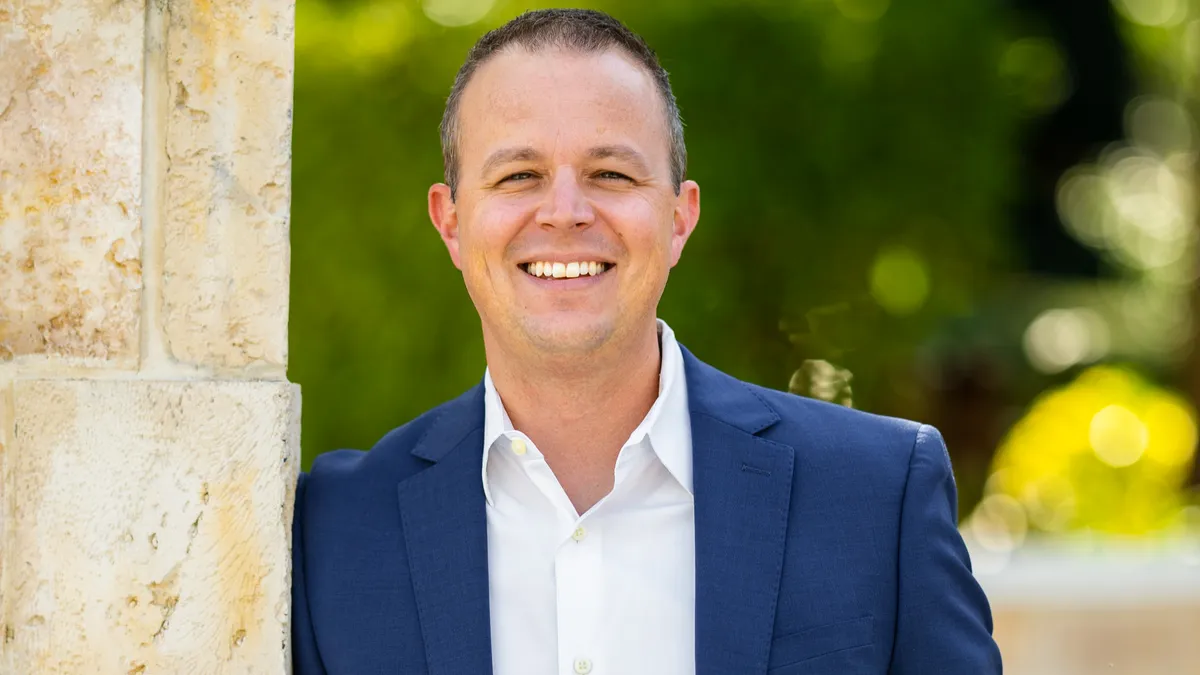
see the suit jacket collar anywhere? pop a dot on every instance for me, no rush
(457, 418)
(444, 519)
(719, 396)
(742, 487)
(743, 498)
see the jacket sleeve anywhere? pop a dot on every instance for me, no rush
(943, 623)
(306, 660)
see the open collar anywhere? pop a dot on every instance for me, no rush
(667, 423)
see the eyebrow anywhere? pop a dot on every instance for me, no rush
(506, 155)
(528, 154)
(621, 152)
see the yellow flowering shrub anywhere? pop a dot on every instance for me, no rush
(1109, 452)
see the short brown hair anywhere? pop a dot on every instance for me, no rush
(581, 30)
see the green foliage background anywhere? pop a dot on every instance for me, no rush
(822, 132)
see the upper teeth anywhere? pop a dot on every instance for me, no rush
(564, 270)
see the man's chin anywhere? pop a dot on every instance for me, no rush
(567, 335)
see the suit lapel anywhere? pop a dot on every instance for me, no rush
(742, 485)
(444, 517)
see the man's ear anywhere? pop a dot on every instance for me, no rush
(687, 214)
(444, 215)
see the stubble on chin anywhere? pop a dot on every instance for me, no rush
(582, 339)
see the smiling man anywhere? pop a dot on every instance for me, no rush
(602, 501)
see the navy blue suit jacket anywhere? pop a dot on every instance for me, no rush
(825, 544)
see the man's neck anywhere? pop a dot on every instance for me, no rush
(579, 417)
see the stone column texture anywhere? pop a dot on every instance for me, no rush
(149, 438)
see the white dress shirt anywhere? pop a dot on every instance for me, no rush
(608, 592)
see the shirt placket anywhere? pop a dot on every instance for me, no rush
(579, 584)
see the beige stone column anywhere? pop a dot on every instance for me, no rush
(148, 434)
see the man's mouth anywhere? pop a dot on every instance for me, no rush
(571, 270)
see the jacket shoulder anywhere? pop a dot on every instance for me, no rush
(349, 476)
(802, 408)
(839, 436)
(346, 463)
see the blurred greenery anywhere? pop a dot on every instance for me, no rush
(855, 159)
(1111, 451)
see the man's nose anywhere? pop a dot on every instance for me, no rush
(565, 206)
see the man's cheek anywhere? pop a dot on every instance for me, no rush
(474, 256)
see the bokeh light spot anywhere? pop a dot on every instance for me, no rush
(1117, 436)
(361, 36)
(1060, 338)
(1159, 13)
(457, 12)
(900, 280)
(1159, 124)
(1136, 204)
(1049, 503)
(1037, 72)
(1174, 437)
(999, 523)
(1082, 200)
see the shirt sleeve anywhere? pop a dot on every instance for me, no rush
(943, 623)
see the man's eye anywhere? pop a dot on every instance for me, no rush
(520, 175)
(613, 175)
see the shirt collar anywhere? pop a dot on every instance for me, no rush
(668, 424)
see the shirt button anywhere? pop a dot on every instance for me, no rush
(518, 446)
(579, 533)
(583, 666)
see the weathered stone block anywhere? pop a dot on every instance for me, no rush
(70, 178)
(226, 255)
(148, 527)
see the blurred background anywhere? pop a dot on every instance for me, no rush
(977, 214)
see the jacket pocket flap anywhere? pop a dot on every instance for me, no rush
(819, 640)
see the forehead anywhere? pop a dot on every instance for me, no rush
(560, 97)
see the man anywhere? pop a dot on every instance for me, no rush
(603, 502)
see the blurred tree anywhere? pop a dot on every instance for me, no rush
(1111, 450)
(855, 158)
(1089, 88)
